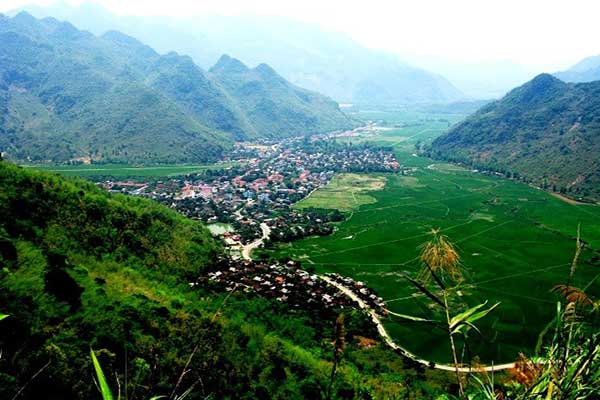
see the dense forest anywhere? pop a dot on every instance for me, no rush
(84, 269)
(546, 132)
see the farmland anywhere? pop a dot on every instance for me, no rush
(126, 171)
(516, 243)
(345, 192)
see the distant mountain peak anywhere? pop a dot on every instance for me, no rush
(586, 70)
(269, 74)
(265, 69)
(229, 64)
(545, 79)
(24, 16)
(538, 89)
(302, 53)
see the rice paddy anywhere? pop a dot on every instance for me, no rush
(345, 192)
(123, 171)
(516, 244)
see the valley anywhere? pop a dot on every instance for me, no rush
(299, 200)
(516, 243)
(507, 232)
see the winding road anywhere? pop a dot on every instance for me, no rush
(390, 342)
(266, 232)
(247, 249)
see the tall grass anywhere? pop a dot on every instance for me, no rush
(339, 345)
(569, 367)
(441, 266)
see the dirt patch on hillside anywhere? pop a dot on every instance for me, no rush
(570, 200)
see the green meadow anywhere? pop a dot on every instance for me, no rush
(121, 171)
(345, 192)
(516, 243)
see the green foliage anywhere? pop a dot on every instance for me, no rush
(127, 263)
(544, 132)
(466, 319)
(104, 389)
(68, 96)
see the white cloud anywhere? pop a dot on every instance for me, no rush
(546, 34)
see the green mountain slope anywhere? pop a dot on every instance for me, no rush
(68, 95)
(82, 268)
(274, 106)
(546, 131)
(305, 54)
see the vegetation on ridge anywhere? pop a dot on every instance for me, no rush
(69, 96)
(546, 132)
(81, 269)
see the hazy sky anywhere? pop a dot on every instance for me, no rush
(544, 34)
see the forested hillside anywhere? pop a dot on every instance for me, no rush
(275, 106)
(546, 132)
(81, 269)
(326, 61)
(67, 95)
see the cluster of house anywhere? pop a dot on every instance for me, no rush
(261, 188)
(268, 180)
(283, 282)
(294, 224)
(364, 293)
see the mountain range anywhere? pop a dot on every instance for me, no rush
(546, 132)
(586, 70)
(305, 54)
(67, 95)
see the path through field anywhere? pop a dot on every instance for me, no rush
(391, 343)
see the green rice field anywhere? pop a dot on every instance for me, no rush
(346, 191)
(121, 171)
(516, 243)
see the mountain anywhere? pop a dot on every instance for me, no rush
(85, 269)
(546, 132)
(305, 54)
(69, 95)
(479, 80)
(587, 70)
(259, 92)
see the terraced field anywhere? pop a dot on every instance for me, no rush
(516, 243)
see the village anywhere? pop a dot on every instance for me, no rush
(251, 203)
(287, 283)
(268, 178)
